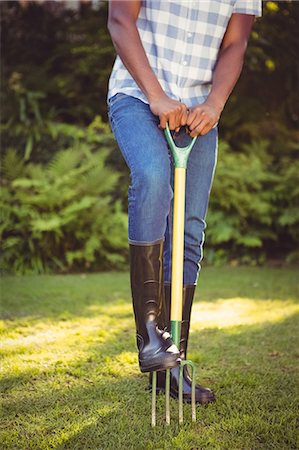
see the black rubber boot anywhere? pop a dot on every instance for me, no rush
(156, 349)
(202, 394)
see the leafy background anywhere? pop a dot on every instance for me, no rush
(63, 181)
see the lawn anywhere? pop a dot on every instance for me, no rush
(70, 379)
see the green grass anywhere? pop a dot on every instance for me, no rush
(70, 379)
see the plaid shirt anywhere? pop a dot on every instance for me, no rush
(182, 41)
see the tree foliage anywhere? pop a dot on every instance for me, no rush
(253, 213)
(56, 65)
(61, 216)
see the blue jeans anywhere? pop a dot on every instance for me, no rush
(150, 195)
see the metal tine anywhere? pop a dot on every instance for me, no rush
(167, 394)
(154, 389)
(193, 404)
(167, 397)
(181, 414)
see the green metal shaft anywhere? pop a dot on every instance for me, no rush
(175, 327)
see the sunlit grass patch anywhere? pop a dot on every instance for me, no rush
(70, 377)
(223, 313)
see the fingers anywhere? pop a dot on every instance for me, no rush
(184, 116)
(163, 121)
(198, 122)
(172, 121)
(203, 128)
(195, 116)
(201, 120)
(175, 118)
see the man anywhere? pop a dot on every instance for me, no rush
(177, 63)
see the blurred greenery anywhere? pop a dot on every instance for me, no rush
(60, 215)
(56, 65)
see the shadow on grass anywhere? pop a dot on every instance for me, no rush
(96, 398)
(256, 398)
(97, 351)
(95, 403)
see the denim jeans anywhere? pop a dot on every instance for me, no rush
(150, 195)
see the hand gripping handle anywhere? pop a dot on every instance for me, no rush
(180, 154)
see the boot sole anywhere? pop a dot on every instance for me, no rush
(160, 365)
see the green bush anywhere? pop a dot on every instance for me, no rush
(54, 83)
(61, 216)
(253, 211)
(68, 215)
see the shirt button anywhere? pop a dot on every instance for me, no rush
(189, 35)
(184, 63)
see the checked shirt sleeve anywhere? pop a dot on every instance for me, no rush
(253, 7)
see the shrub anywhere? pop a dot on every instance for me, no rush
(253, 207)
(60, 216)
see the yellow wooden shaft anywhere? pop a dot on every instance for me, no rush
(178, 244)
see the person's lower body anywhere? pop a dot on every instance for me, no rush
(150, 198)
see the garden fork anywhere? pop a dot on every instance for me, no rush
(180, 158)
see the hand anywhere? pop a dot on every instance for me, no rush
(202, 118)
(171, 111)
